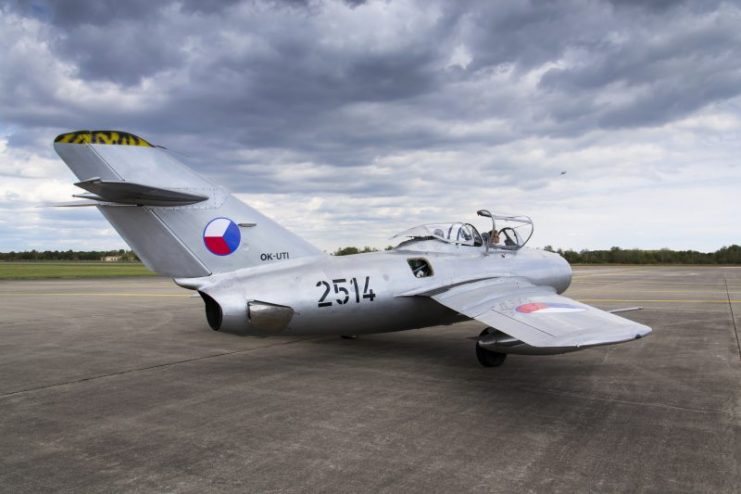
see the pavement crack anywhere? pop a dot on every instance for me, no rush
(733, 319)
(148, 367)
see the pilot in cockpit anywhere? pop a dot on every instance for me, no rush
(493, 237)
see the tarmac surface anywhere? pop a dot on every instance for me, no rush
(118, 385)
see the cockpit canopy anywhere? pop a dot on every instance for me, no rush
(452, 233)
(512, 233)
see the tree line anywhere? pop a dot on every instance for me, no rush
(69, 255)
(348, 251)
(615, 255)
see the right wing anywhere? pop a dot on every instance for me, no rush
(538, 316)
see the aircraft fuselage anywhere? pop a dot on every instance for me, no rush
(363, 293)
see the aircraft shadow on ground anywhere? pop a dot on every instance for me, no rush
(554, 382)
(438, 355)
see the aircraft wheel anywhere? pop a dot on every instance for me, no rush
(349, 337)
(487, 358)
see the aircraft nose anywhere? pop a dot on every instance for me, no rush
(564, 274)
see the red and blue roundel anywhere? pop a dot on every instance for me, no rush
(221, 236)
(547, 308)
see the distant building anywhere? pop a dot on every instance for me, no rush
(110, 258)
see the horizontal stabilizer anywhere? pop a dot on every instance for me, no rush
(137, 194)
(82, 204)
(625, 309)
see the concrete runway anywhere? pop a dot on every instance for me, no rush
(119, 386)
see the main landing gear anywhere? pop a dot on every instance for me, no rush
(488, 358)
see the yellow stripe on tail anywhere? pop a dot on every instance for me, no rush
(102, 137)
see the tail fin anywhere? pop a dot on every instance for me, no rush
(178, 223)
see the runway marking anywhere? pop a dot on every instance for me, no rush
(100, 294)
(607, 274)
(650, 284)
(720, 291)
(733, 319)
(663, 301)
(79, 288)
(634, 267)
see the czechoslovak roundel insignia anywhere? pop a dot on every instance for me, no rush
(547, 308)
(221, 236)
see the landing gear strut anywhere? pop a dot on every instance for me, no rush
(487, 358)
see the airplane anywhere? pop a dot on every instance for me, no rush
(255, 277)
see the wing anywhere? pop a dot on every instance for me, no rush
(538, 316)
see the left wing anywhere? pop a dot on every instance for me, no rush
(538, 316)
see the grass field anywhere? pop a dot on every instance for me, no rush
(70, 269)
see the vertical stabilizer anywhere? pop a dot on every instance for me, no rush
(177, 222)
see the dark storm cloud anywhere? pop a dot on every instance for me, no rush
(658, 74)
(72, 13)
(126, 41)
(343, 83)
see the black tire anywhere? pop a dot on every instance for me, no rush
(487, 358)
(349, 337)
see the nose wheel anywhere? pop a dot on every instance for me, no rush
(488, 358)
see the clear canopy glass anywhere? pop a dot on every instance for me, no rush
(507, 232)
(454, 233)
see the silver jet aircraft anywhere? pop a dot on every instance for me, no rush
(256, 277)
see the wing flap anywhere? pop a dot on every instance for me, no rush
(537, 315)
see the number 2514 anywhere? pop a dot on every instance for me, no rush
(345, 290)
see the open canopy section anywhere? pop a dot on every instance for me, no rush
(510, 232)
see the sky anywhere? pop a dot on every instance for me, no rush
(348, 122)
